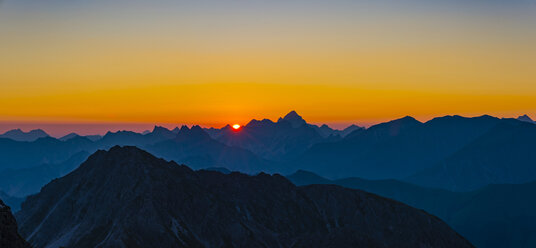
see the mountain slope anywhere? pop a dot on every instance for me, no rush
(505, 154)
(9, 237)
(127, 198)
(496, 216)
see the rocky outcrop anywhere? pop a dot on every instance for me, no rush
(9, 237)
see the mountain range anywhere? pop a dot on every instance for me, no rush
(26, 166)
(450, 152)
(125, 197)
(495, 216)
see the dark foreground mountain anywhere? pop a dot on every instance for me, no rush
(496, 216)
(128, 198)
(9, 237)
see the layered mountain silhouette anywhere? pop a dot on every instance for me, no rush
(282, 140)
(75, 135)
(9, 237)
(23, 182)
(404, 147)
(19, 135)
(193, 146)
(504, 154)
(496, 216)
(126, 197)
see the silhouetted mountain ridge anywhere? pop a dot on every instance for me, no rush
(127, 197)
(495, 216)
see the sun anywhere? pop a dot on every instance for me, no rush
(236, 126)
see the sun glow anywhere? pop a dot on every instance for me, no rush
(236, 126)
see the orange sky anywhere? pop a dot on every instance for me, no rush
(217, 63)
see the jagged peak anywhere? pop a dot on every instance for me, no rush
(294, 119)
(255, 122)
(525, 117)
(196, 132)
(159, 129)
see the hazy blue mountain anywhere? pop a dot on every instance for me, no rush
(325, 131)
(69, 136)
(23, 182)
(191, 145)
(281, 140)
(395, 149)
(128, 198)
(526, 118)
(197, 149)
(19, 135)
(9, 237)
(496, 216)
(136, 139)
(504, 154)
(48, 150)
(12, 201)
(74, 135)
(348, 130)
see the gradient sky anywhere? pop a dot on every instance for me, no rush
(219, 62)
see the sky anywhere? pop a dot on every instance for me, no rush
(116, 63)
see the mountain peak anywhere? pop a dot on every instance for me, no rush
(196, 133)
(160, 129)
(525, 118)
(294, 119)
(19, 135)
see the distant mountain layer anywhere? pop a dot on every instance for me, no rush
(504, 154)
(127, 198)
(27, 166)
(9, 237)
(282, 140)
(526, 118)
(19, 135)
(496, 216)
(23, 182)
(451, 152)
(12, 201)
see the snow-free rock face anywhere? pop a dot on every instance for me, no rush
(9, 237)
(125, 197)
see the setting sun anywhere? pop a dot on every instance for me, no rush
(236, 126)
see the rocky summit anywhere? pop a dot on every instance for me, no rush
(125, 197)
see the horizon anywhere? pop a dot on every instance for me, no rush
(58, 130)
